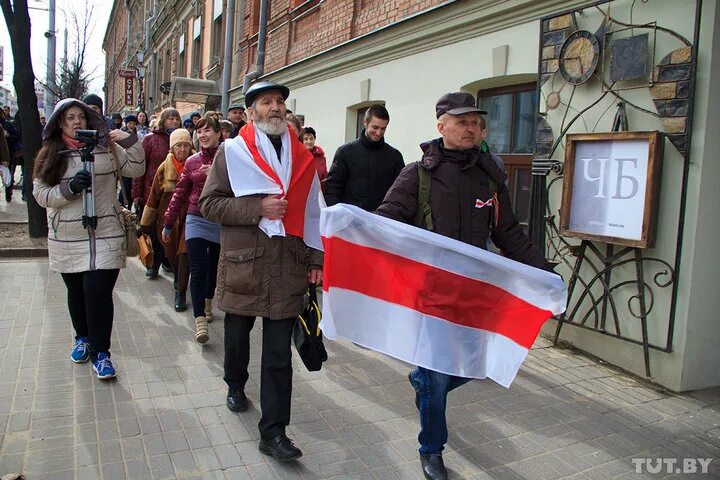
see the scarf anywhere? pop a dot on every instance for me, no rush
(179, 166)
(71, 142)
(254, 168)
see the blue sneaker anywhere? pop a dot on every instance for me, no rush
(81, 351)
(103, 366)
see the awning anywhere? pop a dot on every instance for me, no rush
(194, 90)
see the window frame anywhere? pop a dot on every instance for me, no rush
(197, 43)
(514, 162)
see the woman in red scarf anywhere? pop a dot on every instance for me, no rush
(161, 192)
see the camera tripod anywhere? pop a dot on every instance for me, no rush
(89, 218)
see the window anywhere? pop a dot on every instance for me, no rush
(197, 47)
(166, 72)
(360, 121)
(217, 32)
(511, 135)
(181, 56)
(254, 16)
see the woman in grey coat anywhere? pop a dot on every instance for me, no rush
(88, 259)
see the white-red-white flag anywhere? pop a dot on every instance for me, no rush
(254, 168)
(431, 300)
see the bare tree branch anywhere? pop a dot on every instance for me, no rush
(73, 79)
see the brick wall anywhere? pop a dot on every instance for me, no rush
(315, 26)
(115, 48)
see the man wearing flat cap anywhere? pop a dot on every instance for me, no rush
(236, 115)
(264, 190)
(467, 201)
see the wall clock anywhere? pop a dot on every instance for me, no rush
(579, 57)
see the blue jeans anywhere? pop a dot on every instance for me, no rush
(433, 388)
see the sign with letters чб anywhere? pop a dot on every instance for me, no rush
(611, 187)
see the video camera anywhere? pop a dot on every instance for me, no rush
(89, 137)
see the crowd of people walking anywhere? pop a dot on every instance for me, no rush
(224, 203)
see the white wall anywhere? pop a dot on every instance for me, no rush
(410, 87)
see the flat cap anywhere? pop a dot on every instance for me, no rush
(236, 106)
(457, 103)
(259, 87)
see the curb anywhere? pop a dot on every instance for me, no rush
(24, 252)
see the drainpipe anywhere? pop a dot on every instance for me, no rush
(150, 82)
(262, 36)
(127, 42)
(227, 59)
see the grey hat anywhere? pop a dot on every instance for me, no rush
(457, 103)
(259, 87)
(236, 106)
(94, 121)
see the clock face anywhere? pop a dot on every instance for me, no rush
(579, 57)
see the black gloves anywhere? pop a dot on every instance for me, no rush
(80, 181)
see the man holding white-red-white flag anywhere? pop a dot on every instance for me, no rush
(444, 304)
(264, 190)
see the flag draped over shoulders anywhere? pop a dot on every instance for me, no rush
(431, 300)
(255, 168)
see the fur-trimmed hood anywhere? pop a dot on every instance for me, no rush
(94, 121)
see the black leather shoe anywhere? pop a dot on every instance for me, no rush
(417, 394)
(433, 467)
(180, 303)
(280, 448)
(237, 401)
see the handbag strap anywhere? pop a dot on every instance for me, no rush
(117, 173)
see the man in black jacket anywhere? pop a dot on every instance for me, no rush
(470, 202)
(364, 170)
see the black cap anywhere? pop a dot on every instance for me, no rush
(93, 99)
(259, 87)
(195, 114)
(457, 103)
(236, 106)
(130, 118)
(187, 123)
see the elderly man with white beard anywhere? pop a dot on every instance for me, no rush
(264, 190)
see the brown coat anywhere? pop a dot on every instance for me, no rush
(153, 216)
(257, 275)
(459, 180)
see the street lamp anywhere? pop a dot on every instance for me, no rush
(141, 75)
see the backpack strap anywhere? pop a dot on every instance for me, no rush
(423, 215)
(495, 210)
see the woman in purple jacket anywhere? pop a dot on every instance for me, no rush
(202, 237)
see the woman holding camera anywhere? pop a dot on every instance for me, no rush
(89, 260)
(202, 236)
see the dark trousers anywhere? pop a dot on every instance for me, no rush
(275, 368)
(127, 184)
(158, 249)
(204, 257)
(181, 271)
(91, 306)
(14, 163)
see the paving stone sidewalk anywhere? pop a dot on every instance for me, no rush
(565, 416)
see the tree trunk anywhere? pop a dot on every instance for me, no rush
(18, 24)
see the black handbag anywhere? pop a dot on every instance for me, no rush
(307, 335)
